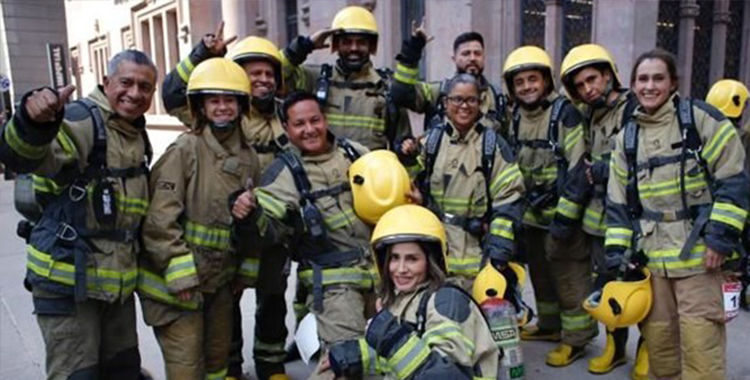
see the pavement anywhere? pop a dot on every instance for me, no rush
(22, 353)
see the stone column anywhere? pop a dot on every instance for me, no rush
(719, 40)
(553, 32)
(236, 18)
(499, 23)
(685, 44)
(745, 49)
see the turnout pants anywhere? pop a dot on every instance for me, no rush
(535, 251)
(685, 330)
(89, 340)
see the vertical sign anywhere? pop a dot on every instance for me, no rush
(58, 71)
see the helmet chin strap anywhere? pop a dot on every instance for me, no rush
(601, 101)
(264, 103)
(222, 127)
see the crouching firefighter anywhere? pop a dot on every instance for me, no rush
(90, 161)
(305, 195)
(426, 329)
(677, 189)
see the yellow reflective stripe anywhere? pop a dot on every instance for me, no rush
(180, 267)
(218, 375)
(717, 143)
(406, 74)
(184, 69)
(569, 208)
(340, 120)
(576, 321)
(547, 308)
(618, 236)
(339, 220)
(271, 204)
(357, 276)
(502, 227)
(547, 215)
(621, 174)
(131, 205)
(446, 331)
(669, 187)
(511, 173)
(249, 268)
(573, 137)
(24, 149)
(155, 287)
(426, 92)
(209, 237)
(594, 220)
(369, 358)
(546, 174)
(729, 214)
(670, 258)
(46, 185)
(408, 357)
(467, 266)
(66, 143)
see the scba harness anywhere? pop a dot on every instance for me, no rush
(61, 233)
(317, 250)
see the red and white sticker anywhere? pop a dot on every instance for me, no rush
(731, 292)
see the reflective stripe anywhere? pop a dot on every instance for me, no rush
(340, 120)
(271, 204)
(511, 173)
(129, 205)
(426, 92)
(218, 375)
(618, 236)
(269, 352)
(370, 363)
(573, 137)
(715, 146)
(97, 279)
(66, 142)
(154, 286)
(670, 258)
(46, 185)
(210, 237)
(180, 267)
(669, 187)
(576, 321)
(569, 208)
(594, 220)
(445, 332)
(729, 214)
(620, 173)
(502, 227)
(24, 149)
(548, 308)
(544, 175)
(467, 266)
(408, 357)
(356, 276)
(406, 74)
(249, 268)
(184, 69)
(461, 206)
(547, 215)
(340, 220)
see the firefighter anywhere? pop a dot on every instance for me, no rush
(90, 159)
(305, 196)
(427, 98)
(425, 329)
(190, 260)
(262, 129)
(547, 135)
(468, 177)
(590, 77)
(677, 194)
(356, 96)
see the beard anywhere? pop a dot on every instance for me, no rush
(264, 104)
(353, 63)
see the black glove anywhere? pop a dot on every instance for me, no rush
(600, 172)
(386, 334)
(411, 50)
(345, 359)
(604, 278)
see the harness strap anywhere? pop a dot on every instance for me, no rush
(323, 261)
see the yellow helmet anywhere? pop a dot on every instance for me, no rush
(357, 20)
(379, 183)
(218, 76)
(622, 303)
(527, 58)
(582, 56)
(729, 96)
(409, 223)
(252, 48)
(490, 283)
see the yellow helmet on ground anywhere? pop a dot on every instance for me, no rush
(490, 283)
(258, 48)
(355, 20)
(409, 223)
(218, 76)
(622, 303)
(379, 183)
(729, 96)
(527, 58)
(582, 56)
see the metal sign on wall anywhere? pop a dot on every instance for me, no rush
(58, 70)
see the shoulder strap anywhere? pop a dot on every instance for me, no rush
(323, 83)
(351, 153)
(553, 137)
(489, 145)
(432, 147)
(631, 103)
(298, 173)
(500, 104)
(631, 157)
(422, 311)
(514, 140)
(97, 158)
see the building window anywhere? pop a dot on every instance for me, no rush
(577, 23)
(98, 57)
(156, 35)
(702, 49)
(412, 11)
(290, 6)
(76, 69)
(127, 38)
(533, 13)
(734, 39)
(667, 25)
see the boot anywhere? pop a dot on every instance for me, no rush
(640, 368)
(563, 355)
(613, 355)
(535, 333)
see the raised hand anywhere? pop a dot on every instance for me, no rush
(319, 38)
(43, 105)
(215, 42)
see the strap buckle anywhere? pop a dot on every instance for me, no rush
(76, 192)
(66, 232)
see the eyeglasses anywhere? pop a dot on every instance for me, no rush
(459, 100)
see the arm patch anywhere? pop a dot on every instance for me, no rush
(571, 117)
(76, 112)
(453, 303)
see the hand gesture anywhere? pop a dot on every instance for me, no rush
(421, 30)
(215, 42)
(319, 38)
(244, 205)
(409, 147)
(43, 105)
(414, 196)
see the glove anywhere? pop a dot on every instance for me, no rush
(600, 171)
(604, 278)
(411, 50)
(386, 334)
(345, 359)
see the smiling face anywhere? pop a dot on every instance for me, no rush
(529, 86)
(262, 77)
(469, 58)
(407, 266)
(220, 109)
(462, 106)
(653, 85)
(130, 89)
(591, 84)
(307, 127)
(355, 49)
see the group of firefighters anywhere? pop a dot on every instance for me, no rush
(593, 187)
